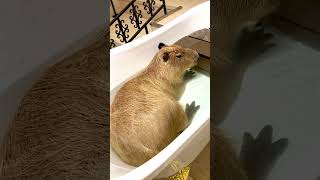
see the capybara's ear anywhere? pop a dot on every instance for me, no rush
(165, 57)
(161, 45)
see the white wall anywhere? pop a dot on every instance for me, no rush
(34, 31)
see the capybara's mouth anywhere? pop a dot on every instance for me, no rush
(197, 56)
(195, 61)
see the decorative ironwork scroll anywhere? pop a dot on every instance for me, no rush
(122, 28)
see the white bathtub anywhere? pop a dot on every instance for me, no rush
(128, 59)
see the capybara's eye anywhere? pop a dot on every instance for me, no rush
(179, 55)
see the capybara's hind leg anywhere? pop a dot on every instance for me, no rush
(191, 110)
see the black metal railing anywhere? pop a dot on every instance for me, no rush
(122, 29)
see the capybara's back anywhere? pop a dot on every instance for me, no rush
(60, 128)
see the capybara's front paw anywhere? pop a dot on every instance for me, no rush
(251, 44)
(258, 155)
(191, 110)
(189, 74)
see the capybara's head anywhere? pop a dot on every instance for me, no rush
(174, 59)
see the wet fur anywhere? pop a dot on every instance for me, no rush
(145, 114)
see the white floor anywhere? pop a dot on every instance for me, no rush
(284, 91)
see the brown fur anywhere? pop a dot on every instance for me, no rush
(226, 165)
(230, 17)
(60, 128)
(145, 114)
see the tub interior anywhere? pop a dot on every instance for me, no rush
(198, 90)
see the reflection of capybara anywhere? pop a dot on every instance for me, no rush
(60, 129)
(230, 19)
(231, 16)
(145, 114)
(257, 156)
